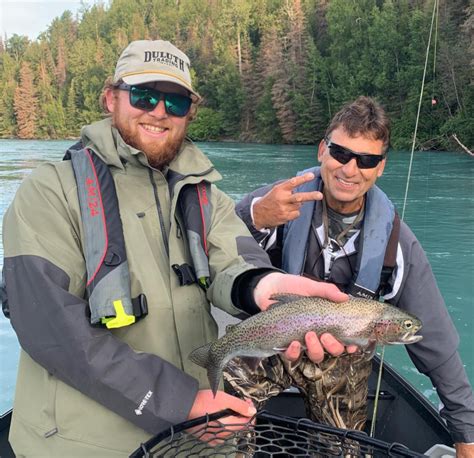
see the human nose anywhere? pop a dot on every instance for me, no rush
(160, 110)
(351, 167)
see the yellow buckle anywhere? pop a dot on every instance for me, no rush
(121, 319)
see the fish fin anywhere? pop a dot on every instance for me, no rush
(229, 327)
(284, 298)
(251, 362)
(214, 373)
(280, 349)
(200, 356)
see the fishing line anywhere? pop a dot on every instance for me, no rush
(382, 353)
(419, 109)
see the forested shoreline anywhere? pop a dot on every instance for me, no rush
(271, 71)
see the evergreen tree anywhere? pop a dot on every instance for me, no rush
(268, 66)
(269, 70)
(25, 103)
(8, 125)
(72, 123)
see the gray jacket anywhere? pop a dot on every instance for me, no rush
(413, 288)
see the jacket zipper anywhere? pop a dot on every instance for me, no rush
(160, 213)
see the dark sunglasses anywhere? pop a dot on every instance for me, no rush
(147, 99)
(344, 155)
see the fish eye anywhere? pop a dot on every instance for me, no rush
(408, 324)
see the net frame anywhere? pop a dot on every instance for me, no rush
(266, 435)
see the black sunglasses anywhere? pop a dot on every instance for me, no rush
(147, 99)
(344, 155)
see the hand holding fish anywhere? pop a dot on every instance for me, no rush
(361, 322)
(281, 204)
(275, 283)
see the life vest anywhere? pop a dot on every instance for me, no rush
(377, 251)
(108, 277)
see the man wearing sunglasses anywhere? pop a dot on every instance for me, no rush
(333, 224)
(112, 219)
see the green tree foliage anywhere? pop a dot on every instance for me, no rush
(268, 70)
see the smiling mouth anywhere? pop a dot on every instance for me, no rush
(345, 183)
(154, 129)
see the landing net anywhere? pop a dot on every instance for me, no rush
(265, 435)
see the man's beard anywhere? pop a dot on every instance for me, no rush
(159, 155)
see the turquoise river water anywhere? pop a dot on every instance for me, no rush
(440, 210)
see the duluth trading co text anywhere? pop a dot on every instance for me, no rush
(165, 58)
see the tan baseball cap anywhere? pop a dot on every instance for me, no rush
(146, 61)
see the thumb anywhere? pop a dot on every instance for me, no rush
(241, 407)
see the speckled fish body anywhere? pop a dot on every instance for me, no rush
(358, 321)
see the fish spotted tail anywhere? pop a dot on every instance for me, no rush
(202, 356)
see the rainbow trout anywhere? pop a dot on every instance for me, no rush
(361, 322)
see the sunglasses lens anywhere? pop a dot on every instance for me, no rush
(364, 161)
(144, 98)
(340, 154)
(177, 104)
(368, 162)
(147, 99)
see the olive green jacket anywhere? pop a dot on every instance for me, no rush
(84, 390)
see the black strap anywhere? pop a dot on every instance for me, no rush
(390, 258)
(185, 274)
(140, 306)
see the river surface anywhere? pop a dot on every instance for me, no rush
(440, 210)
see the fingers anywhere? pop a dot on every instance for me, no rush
(331, 344)
(306, 286)
(281, 204)
(314, 348)
(292, 353)
(277, 282)
(240, 406)
(301, 197)
(294, 182)
(352, 348)
(297, 198)
(326, 291)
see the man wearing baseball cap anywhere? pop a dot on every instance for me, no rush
(112, 258)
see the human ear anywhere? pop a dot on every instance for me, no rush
(110, 100)
(321, 150)
(381, 168)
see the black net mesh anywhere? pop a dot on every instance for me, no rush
(266, 435)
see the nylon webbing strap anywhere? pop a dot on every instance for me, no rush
(196, 209)
(108, 278)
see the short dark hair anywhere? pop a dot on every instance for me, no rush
(364, 116)
(109, 84)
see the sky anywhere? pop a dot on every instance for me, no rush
(32, 17)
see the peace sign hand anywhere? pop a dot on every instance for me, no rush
(281, 204)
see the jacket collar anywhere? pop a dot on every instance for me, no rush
(106, 141)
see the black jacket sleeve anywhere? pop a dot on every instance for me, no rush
(436, 355)
(53, 328)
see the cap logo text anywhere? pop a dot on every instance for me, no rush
(164, 58)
